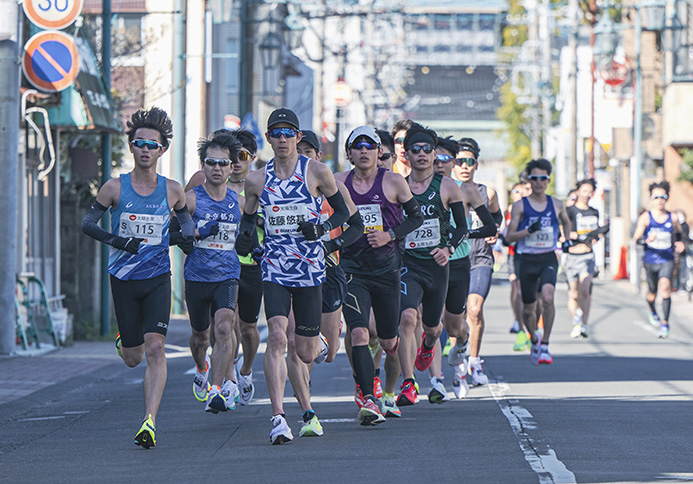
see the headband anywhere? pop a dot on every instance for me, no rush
(419, 137)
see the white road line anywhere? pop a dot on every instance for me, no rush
(34, 419)
(540, 456)
(651, 329)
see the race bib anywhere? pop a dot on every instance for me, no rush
(372, 217)
(224, 240)
(662, 240)
(476, 221)
(541, 239)
(284, 219)
(585, 225)
(428, 235)
(150, 228)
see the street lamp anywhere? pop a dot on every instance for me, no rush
(673, 29)
(270, 51)
(292, 30)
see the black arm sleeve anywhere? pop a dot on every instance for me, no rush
(90, 226)
(349, 236)
(187, 226)
(247, 238)
(175, 236)
(341, 212)
(460, 233)
(497, 217)
(413, 221)
(489, 228)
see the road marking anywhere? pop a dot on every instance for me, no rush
(34, 419)
(540, 456)
(76, 412)
(651, 329)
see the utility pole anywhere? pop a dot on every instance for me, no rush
(105, 296)
(9, 139)
(573, 12)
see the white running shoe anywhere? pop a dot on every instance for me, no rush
(576, 332)
(247, 389)
(535, 351)
(215, 401)
(438, 393)
(281, 432)
(578, 316)
(515, 328)
(459, 382)
(201, 381)
(477, 372)
(545, 357)
(322, 356)
(457, 353)
(230, 392)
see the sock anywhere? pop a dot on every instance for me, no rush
(666, 308)
(473, 360)
(364, 368)
(425, 346)
(652, 307)
(308, 415)
(377, 372)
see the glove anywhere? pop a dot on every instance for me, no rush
(565, 246)
(243, 244)
(131, 245)
(504, 241)
(257, 255)
(534, 227)
(186, 244)
(311, 231)
(211, 228)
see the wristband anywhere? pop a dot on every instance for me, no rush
(392, 234)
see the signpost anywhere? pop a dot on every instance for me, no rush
(53, 14)
(50, 61)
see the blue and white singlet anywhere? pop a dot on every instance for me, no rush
(290, 260)
(543, 240)
(147, 218)
(661, 249)
(214, 259)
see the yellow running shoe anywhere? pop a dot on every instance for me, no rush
(145, 437)
(118, 345)
(522, 342)
(311, 428)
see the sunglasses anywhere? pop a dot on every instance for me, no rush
(399, 141)
(515, 191)
(145, 143)
(416, 149)
(245, 156)
(661, 197)
(386, 156)
(443, 159)
(363, 144)
(215, 161)
(279, 132)
(539, 177)
(465, 161)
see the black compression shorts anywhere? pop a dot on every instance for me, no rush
(249, 293)
(205, 298)
(424, 282)
(333, 289)
(305, 301)
(458, 286)
(382, 294)
(535, 271)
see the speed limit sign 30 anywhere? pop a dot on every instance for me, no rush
(53, 14)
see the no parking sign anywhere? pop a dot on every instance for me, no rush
(51, 61)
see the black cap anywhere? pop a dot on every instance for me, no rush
(282, 115)
(311, 138)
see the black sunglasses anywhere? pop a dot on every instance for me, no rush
(539, 177)
(386, 156)
(465, 161)
(416, 149)
(364, 144)
(217, 161)
(145, 143)
(279, 132)
(662, 197)
(399, 141)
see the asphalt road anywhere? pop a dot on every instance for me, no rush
(614, 408)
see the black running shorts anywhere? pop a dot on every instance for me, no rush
(655, 272)
(333, 289)
(458, 286)
(205, 298)
(141, 306)
(250, 293)
(305, 301)
(424, 283)
(534, 272)
(381, 293)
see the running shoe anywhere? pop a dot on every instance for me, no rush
(145, 437)
(118, 344)
(534, 352)
(545, 357)
(583, 331)
(377, 388)
(654, 320)
(457, 353)
(459, 382)
(200, 382)
(522, 342)
(408, 394)
(322, 356)
(370, 414)
(578, 316)
(663, 331)
(576, 331)
(358, 396)
(448, 347)
(438, 393)
(515, 328)
(424, 358)
(477, 372)
(247, 389)
(215, 400)
(374, 349)
(229, 390)
(311, 428)
(281, 432)
(388, 406)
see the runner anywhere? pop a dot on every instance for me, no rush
(427, 250)
(579, 261)
(212, 270)
(141, 202)
(387, 159)
(515, 301)
(399, 131)
(481, 255)
(373, 262)
(534, 226)
(661, 235)
(289, 190)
